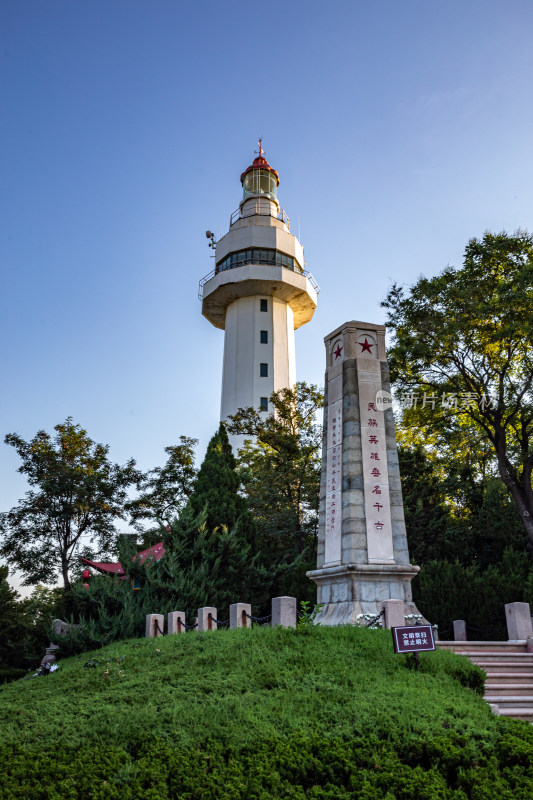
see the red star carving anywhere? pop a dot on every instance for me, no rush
(337, 352)
(366, 346)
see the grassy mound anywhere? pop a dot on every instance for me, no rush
(306, 713)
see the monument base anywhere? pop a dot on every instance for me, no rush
(349, 591)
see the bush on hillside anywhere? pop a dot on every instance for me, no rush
(448, 767)
(265, 713)
(445, 591)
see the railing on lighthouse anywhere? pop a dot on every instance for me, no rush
(214, 272)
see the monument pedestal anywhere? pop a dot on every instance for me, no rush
(362, 556)
(349, 591)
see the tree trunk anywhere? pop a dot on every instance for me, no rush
(64, 572)
(520, 499)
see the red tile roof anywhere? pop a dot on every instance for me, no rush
(155, 552)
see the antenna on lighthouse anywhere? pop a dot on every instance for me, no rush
(210, 235)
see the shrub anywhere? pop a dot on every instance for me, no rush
(9, 674)
(297, 768)
(445, 591)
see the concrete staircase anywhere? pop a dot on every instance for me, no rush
(509, 668)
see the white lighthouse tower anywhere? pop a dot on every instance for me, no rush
(258, 293)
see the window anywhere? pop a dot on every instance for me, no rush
(263, 370)
(259, 181)
(264, 305)
(263, 405)
(254, 255)
(264, 337)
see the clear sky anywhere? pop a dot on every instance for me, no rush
(399, 130)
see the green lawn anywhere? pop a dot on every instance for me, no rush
(260, 713)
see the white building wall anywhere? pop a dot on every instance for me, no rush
(242, 384)
(283, 351)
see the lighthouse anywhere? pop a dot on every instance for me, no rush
(259, 293)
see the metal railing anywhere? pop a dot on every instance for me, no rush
(282, 216)
(311, 280)
(305, 273)
(203, 281)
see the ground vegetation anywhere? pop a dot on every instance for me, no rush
(260, 714)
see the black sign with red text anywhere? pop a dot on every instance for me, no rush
(413, 638)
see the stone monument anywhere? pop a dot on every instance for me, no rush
(362, 545)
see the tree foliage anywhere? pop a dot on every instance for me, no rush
(209, 559)
(12, 651)
(428, 520)
(217, 489)
(452, 513)
(448, 590)
(25, 626)
(463, 357)
(201, 567)
(165, 490)
(280, 471)
(76, 492)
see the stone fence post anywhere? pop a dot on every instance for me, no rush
(176, 621)
(459, 630)
(394, 614)
(59, 627)
(237, 615)
(518, 617)
(154, 625)
(205, 623)
(284, 612)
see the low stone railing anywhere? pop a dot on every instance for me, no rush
(283, 613)
(519, 624)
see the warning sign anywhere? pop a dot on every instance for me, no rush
(413, 638)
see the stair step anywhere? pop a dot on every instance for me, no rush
(506, 666)
(509, 690)
(504, 678)
(504, 701)
(517, 646)
(509, 670)
(512, 658)
(517, 713)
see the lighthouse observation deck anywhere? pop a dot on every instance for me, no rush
(296, 288)
(258, 255)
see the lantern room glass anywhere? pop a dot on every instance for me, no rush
(259, 181)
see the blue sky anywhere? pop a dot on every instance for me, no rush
(399, 130)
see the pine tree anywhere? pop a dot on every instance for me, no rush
(217, 490)
(209, 561)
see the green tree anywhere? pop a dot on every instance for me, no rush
(494, 525)
(212, 566)
(280, 471)
(165, 490)
(444, 591)
(209, 560)
(78, 493)
(12, 625)
(463, 354)
(216, 489)
(453, 513)
(201, 567)
(428, 521)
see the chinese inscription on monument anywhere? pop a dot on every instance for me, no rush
(362, 545)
